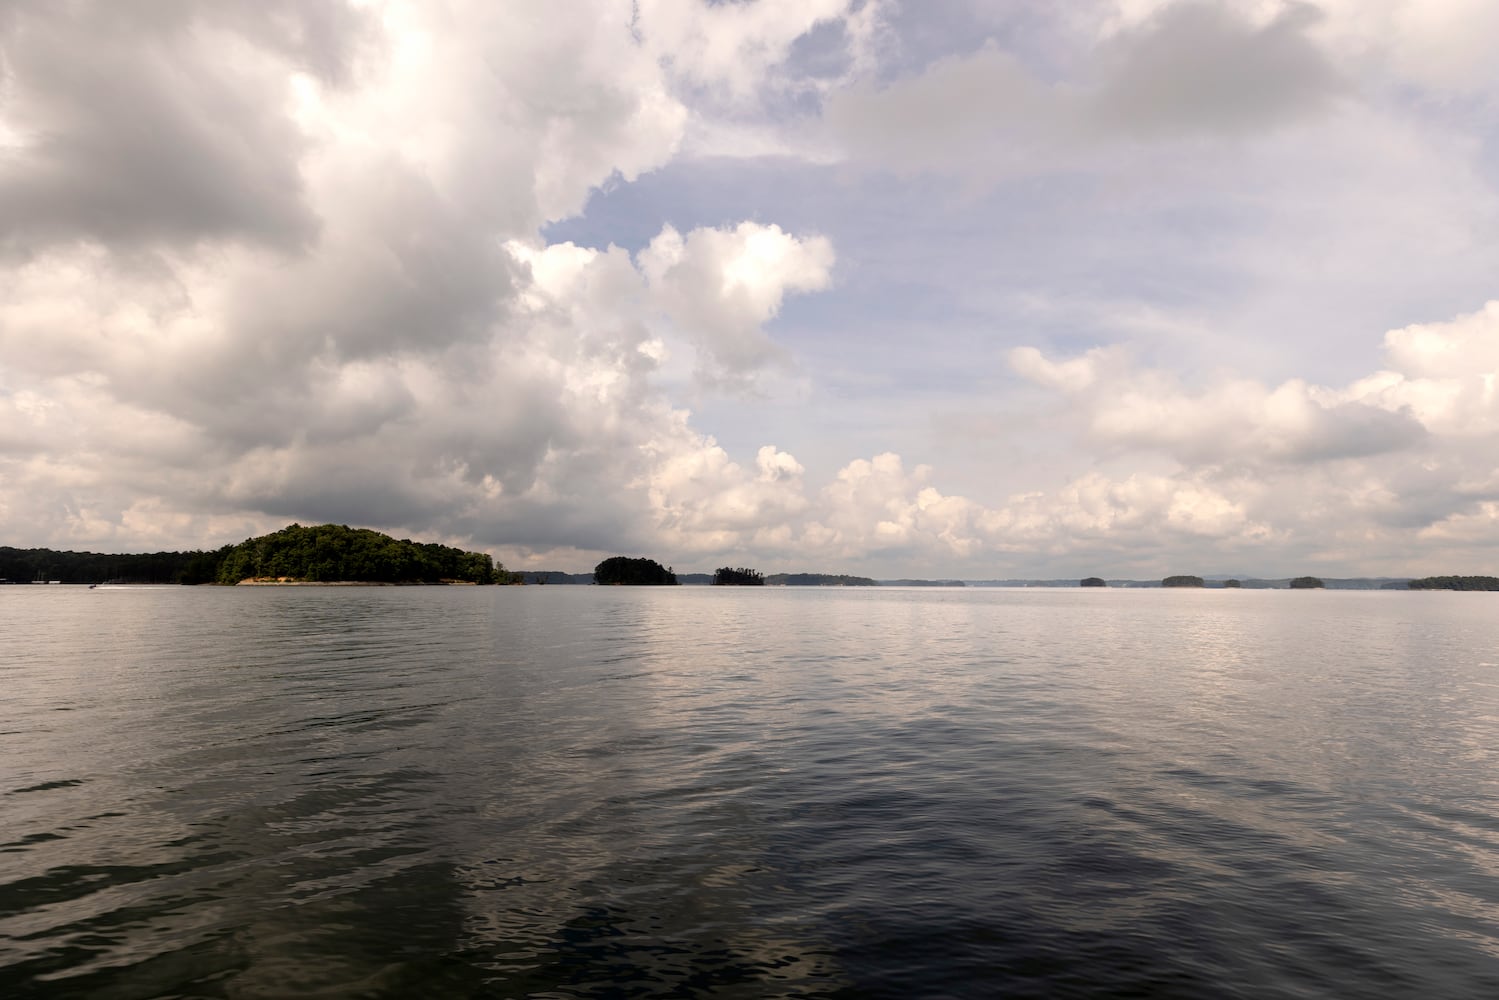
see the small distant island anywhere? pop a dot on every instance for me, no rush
(1183, 581)
(741, 577)
(624, 571)
(1307, 583)
(1093, 581)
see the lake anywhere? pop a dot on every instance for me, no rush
(695, 792)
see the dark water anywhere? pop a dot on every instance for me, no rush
(568, 792)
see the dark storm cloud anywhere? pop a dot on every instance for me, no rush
(1197, 68)
(1193, 69)
(1353, 430)
(135, 131)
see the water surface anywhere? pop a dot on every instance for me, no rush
(684, 792)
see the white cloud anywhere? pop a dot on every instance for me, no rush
(1233, 420)
(720, 286)
(1411, 446)
(1461, 348)
(735, 47)
(388, 361)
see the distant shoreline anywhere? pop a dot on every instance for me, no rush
(284, 582)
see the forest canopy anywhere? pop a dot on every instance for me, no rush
(26, 565)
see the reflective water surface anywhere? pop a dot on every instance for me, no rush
(594, 792)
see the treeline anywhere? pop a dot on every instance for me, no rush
(324, 553)
(1456, 583)
(335, 552)
(26, 565)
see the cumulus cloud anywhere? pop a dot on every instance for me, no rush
(1232, 420)
(1348, 468)
(733, 47)
(721, 286)
(264, 266)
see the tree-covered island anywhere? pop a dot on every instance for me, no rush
(624, 571)
(336, 553)
(1183, 581)
(725, 576)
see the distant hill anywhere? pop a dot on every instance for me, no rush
(922, 583)
(552, 576)
(818, 580)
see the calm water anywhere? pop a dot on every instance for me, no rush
(570, 791)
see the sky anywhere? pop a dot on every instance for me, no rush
(974, 289)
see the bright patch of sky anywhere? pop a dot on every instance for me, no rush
(943, 289)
